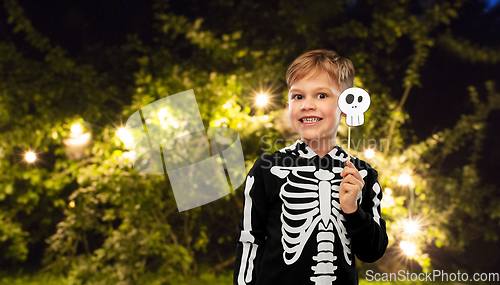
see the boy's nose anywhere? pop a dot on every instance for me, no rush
(308, 105)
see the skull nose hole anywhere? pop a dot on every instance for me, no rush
(349, 98)
(360, 98)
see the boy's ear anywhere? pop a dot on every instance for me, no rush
(287, 103)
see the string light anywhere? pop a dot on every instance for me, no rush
(30, 156)
(77, 142)
(409, 248)
(261, 99)
(404, 180)
(411, 227)
(76, 129)
(369, 153)
(125, 136)
(262, 96)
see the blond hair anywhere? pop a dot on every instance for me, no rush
(309, 63)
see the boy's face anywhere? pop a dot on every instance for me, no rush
(313, 107)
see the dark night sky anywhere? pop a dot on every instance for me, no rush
(492, 3)
(77, 24)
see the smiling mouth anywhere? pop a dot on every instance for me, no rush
(310, 120)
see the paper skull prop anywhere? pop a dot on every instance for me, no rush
(354, 102)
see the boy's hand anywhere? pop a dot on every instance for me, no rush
(350, 187)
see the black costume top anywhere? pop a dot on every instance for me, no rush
(293, 230)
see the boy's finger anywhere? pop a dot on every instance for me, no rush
(351, 179)
(349, 165)
(348, 170)
(356, 177)
(351, 169)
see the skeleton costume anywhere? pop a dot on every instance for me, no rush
(293, 230)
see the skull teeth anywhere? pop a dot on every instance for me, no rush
(310, 120)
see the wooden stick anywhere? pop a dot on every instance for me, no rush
(348, 144)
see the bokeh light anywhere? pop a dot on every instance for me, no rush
(77, 142)
(411, 227)
(388, 191)
(388, 201)
(166, 119)
(404, 180)
(261, 99)
(76, 129)
(369, 153)
(30, 156)
(125, 136)
(409, 248)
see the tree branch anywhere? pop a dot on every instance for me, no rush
(393, 123)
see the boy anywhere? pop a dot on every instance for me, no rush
(306, 213)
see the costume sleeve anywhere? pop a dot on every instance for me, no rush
(365, 227)
(251, 229)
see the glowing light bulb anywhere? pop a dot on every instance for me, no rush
(411, 227)
(409, 248)
(76, 129)
(30, 156)
(261, 99)
(404, 179)
(369, 153)
(125, 136)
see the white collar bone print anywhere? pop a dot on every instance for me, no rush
(310, 203)
(300, 148)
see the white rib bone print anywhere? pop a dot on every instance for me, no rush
(311, 204)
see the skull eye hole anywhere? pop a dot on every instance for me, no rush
(349, 98)
(360, 98)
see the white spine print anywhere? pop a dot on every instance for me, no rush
(324, 270)
(307, 205)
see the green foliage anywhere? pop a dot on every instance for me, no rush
(455, 194)
(104, 223)
(13, 240)
(469, 51)
(27, 279)
(147, 279)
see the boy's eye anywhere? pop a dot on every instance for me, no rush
(297, 96)
(321, 96)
